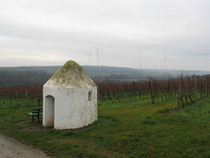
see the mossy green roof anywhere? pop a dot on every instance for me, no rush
(71, 75)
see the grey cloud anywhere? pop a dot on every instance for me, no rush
(135, 33)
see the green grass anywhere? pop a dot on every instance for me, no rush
(19, 102)
(129, 129)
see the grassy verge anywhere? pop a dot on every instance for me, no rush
(130, 129)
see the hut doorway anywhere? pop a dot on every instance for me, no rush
(49, 111)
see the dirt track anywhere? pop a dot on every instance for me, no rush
(10, 148)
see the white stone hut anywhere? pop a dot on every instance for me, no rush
(69, 98)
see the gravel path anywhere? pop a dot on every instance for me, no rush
(10, 148)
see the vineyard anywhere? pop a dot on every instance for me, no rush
(186, 90)
(20, 96)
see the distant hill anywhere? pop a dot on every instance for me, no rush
(110, 73)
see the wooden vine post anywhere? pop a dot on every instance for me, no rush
(180, 91)
(151, 90)
(195, 89)
(27, 101)
(206, 87)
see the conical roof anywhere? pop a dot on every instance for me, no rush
(71, 75)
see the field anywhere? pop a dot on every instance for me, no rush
(132, 128)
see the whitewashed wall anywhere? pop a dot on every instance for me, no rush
(71, 107)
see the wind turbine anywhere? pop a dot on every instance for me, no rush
(140, 62)
(113, 60)
(89, 54)
(97, 53)
(165, 58)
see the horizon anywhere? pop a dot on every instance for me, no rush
(105, 66)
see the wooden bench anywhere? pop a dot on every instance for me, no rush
(37, 112)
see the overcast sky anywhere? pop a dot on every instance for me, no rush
(132, 33)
